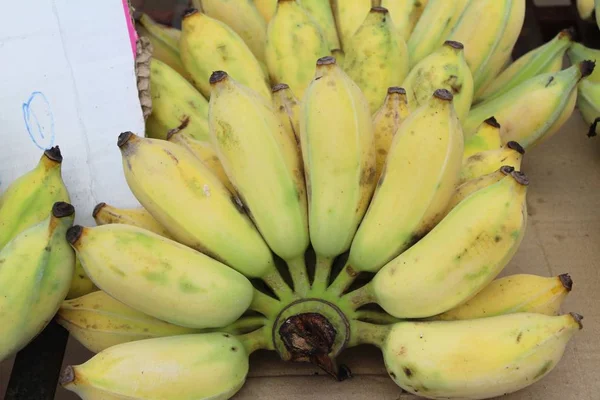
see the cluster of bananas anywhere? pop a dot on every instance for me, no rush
(293, 147)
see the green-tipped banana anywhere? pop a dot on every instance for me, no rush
(175, 102)
(534, 110)
(427, 35)
(107, 214)
(81, 284)
(447, 69)
(28, 200)
(578, 53)
(486, 137)
(161, 277)
(35, 276)
(545, 59)
(349, 15)
(294, 42)
(376, 58)
(287, 107)
(263, 163)
(588, 102)
(208, 45)
(515, 294)
(321, 11)
(486, 162)
(99, 321)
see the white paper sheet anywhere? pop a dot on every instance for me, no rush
(68, 79)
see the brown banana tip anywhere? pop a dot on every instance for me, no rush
(443, 94)
(507, 169)
(97, 209)
(217, 76)
(566, 281)
(327, 60)
(515, 146)
(54, 154)
(586, 67)
(520, 177)
(67, 376)
(454, 44)
(74, 233)
(189, 11)
(382, 10)
(124, 138)
(396, 89)
(568, 33)
(578, 318)
(492, 121)
(278, 87)
(60, 209)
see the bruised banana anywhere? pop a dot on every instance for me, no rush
(161, 277)
(486, 230)
(376, 58)
(386, 122)
(106, 214)
(578, 53)
(287, 107)
(263, 163)
(534, 110)
(209, 45)
(486, 137)
(81, 284)
(547, 58)
(98, 322)
(486, 162)
(37, 268)
(294, 42)
(447, 69)
(321, 11)
(28, 199)
(515, 294)
(349, 15)
(588, 102)
(175, 102)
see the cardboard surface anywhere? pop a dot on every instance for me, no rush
(563, 235)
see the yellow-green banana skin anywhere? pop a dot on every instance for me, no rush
(321, 11)
(99, 321)
(578, 53)
(459, 257)
(106, 214)
(81, 284)
(588, 102)
(486, 162)
(349, 15)
(476, 359)
(35, 275)
(585, 8)
(207, 366)
(29, 199)
(161, 277)
(486, 137)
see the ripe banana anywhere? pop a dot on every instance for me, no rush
(401, 12)
(349, 15)
(534, 110)
(376, 58)
(106, 214)
(427, 35)
(515, 294)
(241, 16)
(196, 366)
(438, 274)
(37, 268)
(294, 42)
(287, 107)
(98, 322)
(486, 137)
(545, 59)
(266, 8)
(208, 45)
(585, 8)
(597, 12)
(253, 147)
(175, 102)
(459, 8)
(386, 122)
(339, 56)
(29, 198)
(473, 359)
(488, 161)
(321, 11)
(81, 284)
(588, 102)
(578, 53)
(335, 116)
(447, 69)
(161, 277)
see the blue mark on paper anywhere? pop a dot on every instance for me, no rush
(39, 120)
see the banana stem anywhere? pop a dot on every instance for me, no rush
(376, 317)
(299, 274)
(322, 272)
(365, 333)
(245, 324)
(343, 281)
(264, 304)
(360, 297)
(281, 289)
(257, 340)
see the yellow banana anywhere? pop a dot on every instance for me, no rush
(585, 8)
(322, 13)
(339, 56)
(203, 151)
(294, 42)
(349, 15)
(81, 284)
(534, 110)
(376, 58)
(457, 259)
(597, 12)
(253, 146)
(241, 16)
(161, 277)
(427, 35)
(37, 268)
(515, 294)
(445, 68)
(175, 102)
(106, 214)
(588, 102)
(474, 359)
(578, 53)
(486, 137)
(266, 8)
(339, 183)
(98, 322)
(488, 161)
(544, 59)
(287, 107)
(400, 12)
(418, 179)
(208, 45)
(386, 122)
(459, 8)
(29, 198)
